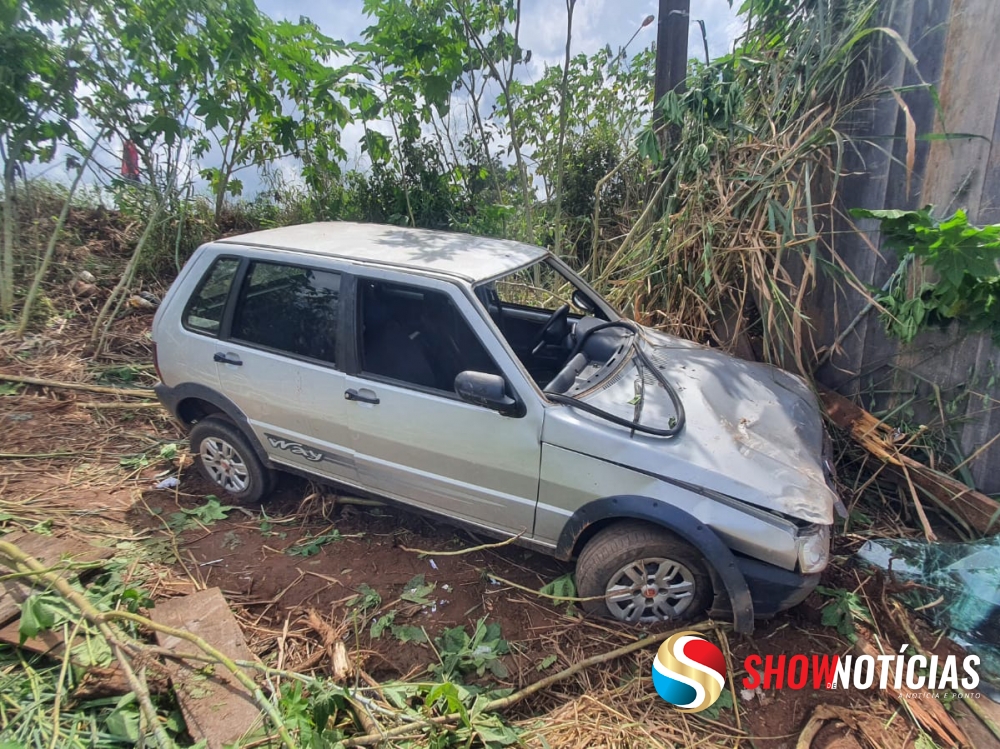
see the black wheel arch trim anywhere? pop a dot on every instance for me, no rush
(716, 553)
(172, 397)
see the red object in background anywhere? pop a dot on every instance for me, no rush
(130, 161)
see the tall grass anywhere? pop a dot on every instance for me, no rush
(750, 155)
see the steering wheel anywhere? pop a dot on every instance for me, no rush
(560, 315)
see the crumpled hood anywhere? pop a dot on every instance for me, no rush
(752, 431)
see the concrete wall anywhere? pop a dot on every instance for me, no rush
(951, 372)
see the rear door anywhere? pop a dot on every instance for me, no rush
(187, 342)
(279, 363)
(414, 439)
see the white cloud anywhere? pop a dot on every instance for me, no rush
(596, 23)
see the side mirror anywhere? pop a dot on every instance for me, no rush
(486, 390)
(582, 301)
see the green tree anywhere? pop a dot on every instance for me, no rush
(43, 62)
(563, 114)
(238, 101)
(419, 52)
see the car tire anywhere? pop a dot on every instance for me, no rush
(640, 573)
(225, 457)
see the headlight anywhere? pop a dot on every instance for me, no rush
(814, 548)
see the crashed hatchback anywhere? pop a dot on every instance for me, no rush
(484, 381)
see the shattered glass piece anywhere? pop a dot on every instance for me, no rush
(965, 575)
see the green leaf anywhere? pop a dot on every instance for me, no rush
(563, 586)
(409, 633)
(206, 514)
(416, 591)
(724, 702)
(546, 662)
(123, 721)
(37, 615)
(398, 694)
(382, 623)
(312, 545)
(452, 698)
(493, 731)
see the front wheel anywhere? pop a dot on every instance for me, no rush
(639, 573)
(227, 460)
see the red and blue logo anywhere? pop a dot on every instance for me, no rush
(689, 672)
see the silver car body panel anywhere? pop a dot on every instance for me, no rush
(753, 431)
(445, 253)
(197, 364)
(442, 453)
(747, 463)
(571, 479)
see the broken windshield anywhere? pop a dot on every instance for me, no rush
(570, 340)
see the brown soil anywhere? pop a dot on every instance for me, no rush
(254, 562)
(93, 471)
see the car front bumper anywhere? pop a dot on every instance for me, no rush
(772, 589)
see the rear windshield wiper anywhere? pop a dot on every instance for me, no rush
(642, 363)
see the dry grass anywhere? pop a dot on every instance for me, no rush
(731, 244)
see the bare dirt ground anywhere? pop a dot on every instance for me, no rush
(312, 554)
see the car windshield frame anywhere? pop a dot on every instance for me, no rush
(568, 274)
(614, 320)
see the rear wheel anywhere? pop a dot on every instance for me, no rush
(225, 457)
(641, 574)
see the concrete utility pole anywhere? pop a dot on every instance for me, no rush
(671, 47)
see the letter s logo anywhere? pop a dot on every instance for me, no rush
(689, 672)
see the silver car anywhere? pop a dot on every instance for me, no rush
(484, 381)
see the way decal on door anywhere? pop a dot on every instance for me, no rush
(311, 454)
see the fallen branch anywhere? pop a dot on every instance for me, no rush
(526, 589)
(981, 714)
(971, 507)
(502, 703)
(925, 711)
(219, 657)
(124, 406)
(132, 392)
(483, 547)
(824, 713)
(121, 646)
(18, 560)
(29, 456)
(903, 619)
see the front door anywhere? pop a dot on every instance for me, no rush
(413, 438)
(279, 366)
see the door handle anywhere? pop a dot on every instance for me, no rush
(224, 359)
(353, 395)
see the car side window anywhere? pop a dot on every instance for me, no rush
(417, 336)
(289, 308)
(208, 303)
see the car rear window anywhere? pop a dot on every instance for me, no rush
(204, 311)
(289, 308)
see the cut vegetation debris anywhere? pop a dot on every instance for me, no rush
(973, 512)
(360, 625)
(361, 637)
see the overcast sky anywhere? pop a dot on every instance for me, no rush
(543, 31)
(543, 26)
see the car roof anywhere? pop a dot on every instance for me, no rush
(461, 255)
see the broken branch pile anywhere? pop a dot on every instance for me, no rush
(187, 672)
(971, 509)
